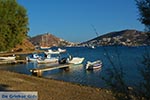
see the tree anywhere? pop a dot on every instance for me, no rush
(13, 24)
(144, 13)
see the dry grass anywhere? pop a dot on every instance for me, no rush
(50, 89)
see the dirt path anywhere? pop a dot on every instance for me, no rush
(50, 89)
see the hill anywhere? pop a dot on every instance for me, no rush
(26, 45)
(49, 40)
(125, 37)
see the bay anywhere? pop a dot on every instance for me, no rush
(128, 58)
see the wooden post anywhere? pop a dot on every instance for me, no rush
(36, 72)
(39, 73)
(66, 68)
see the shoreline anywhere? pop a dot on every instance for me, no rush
(19, 56)
(19, 53)
(49, 89)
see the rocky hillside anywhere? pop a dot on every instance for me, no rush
(125, 37)
(49, 40)
(26, 45)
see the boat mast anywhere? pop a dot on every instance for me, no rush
(42, 41)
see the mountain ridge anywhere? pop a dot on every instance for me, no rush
(128, 37)
(49, 40)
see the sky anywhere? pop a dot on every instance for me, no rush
(77, 20)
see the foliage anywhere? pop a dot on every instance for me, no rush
(115, 78)
(143, 87)
(144, 12)
(13, 24)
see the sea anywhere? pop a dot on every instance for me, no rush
(129, 59)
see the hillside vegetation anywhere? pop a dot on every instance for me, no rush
(26, 45)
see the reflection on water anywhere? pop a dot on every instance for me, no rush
(31, 65)
(129, 57)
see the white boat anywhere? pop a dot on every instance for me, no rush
(44, 47)
(33, 58)
(61, 50)
(50, 51)
(94, 65)
(75, 60)
(8, 58)
(70, 60)
(91, 46)
(47, 60)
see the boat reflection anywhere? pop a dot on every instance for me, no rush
(94, 71)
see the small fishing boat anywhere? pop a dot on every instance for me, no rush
(47, 60)
(50, 51)
(75, 60)
(42, 47)
(61, 50)
(94, 65)
(33, 57)
(71, 60)
(8, 58)
(91, 46)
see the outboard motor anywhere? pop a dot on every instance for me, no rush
(62, 60)
(70, 57)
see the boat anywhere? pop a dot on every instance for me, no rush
(8, 58)
(47, 60)
(61, 50)
(69, 59)
(91, 46)
(94, 65)
(33, 57)
(50, 51)
(42, 47)
(75, 60)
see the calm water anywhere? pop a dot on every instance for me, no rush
(127, 57)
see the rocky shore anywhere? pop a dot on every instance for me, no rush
(49, 89)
